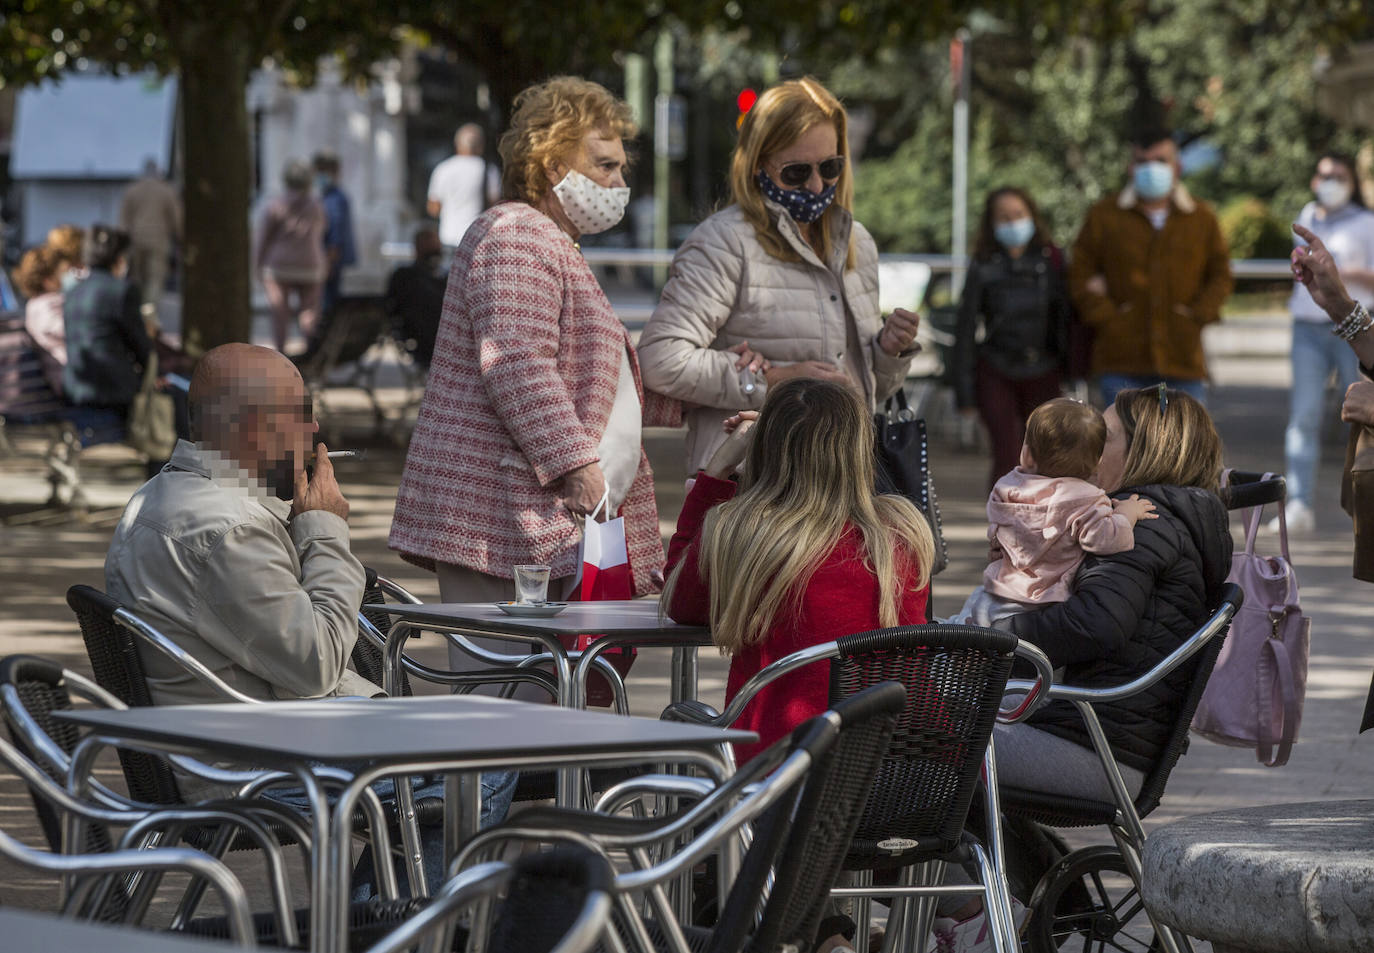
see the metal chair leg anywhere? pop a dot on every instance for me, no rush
(863, 910)
(921, 910)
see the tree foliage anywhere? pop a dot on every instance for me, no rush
(1054, 83)
(1053, 113)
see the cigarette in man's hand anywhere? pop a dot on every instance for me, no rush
(336, 454)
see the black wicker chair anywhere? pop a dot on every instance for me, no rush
(113, 649)
(914, 817)
(32, 690)
(1092, 893)
(803, 797)
(39, 688)
(825, 823)
(558, 899)
(917, 809)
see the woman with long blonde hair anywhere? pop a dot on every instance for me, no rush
(800, 551)
(783, 275)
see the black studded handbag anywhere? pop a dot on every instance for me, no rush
(901, 452)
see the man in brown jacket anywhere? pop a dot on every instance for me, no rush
(1150, 268)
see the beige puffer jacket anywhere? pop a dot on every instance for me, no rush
(724, 288)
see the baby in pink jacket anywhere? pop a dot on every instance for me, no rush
(1044, 515)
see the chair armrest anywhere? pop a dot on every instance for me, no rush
(1033, 693)
(397, 591)
(761, 678)
(183, 659)
(662, 785)
(693, 712)
(232, 894)
(507, 675)
(1232, 597)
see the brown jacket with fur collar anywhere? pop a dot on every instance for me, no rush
(1162, 285)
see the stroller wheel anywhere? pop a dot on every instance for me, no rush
(1088, 902)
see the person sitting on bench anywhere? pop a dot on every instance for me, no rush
(415, 296)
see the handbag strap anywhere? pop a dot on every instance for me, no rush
(150, 371)
(1252, 518)
(903, 411)
(1277, 653)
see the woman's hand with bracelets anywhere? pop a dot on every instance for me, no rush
(1316, 269)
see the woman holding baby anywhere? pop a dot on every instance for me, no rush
(1111, 616)
(1124, 611)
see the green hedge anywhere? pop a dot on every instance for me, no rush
(1253, 230)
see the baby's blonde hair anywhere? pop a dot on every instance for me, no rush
(1066, 438)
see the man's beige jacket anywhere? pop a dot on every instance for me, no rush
(269, 602)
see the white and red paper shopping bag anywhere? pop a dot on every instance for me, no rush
(605, 561)
(605, 574)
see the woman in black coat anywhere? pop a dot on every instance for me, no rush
(1131, 609)
(1012, 339)
(1128, 611)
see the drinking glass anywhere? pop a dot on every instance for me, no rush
(531, 584)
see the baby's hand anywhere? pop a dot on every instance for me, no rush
(1135, 509)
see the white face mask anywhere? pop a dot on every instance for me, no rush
(1332, 194)
(591, 208)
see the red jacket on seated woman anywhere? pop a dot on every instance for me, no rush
(799, 552)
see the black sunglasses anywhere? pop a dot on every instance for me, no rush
(796, 174)
(1128, 418)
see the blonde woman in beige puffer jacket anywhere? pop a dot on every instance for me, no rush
(784, 276)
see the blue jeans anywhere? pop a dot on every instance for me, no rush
(498, 789)
(329, 294)
(1315, 355)
(1113, 384)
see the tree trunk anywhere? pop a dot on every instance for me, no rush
(216, 304)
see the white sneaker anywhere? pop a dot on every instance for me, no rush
(971, 935)
(1301, 519)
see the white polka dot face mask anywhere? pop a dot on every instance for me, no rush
(592, 208)
(804, 206)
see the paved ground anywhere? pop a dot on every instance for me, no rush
(42, 554)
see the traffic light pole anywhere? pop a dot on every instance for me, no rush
(663, 64)
(959, 69)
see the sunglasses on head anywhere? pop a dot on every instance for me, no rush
(796, 174)
(1127, 417)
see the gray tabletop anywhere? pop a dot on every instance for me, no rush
(26, 932)
(396, 730)
(628, 618)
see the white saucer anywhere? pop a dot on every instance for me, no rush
(532, 610)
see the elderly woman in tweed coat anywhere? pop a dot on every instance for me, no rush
(534, 405)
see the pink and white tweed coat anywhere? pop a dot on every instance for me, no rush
(520, 389)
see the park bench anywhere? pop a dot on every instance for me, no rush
(27, 401)
(356, 345)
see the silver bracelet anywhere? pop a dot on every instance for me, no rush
(1355, 323)
(1355, 330)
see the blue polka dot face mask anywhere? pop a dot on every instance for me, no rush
(804, 206)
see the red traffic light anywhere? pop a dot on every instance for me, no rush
(746, 99)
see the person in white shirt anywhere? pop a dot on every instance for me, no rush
(1339, 218)
(463, 185)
